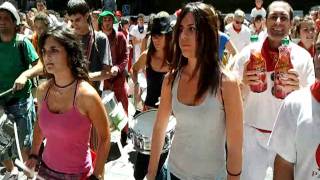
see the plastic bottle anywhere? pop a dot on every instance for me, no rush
(281, 69)
(257, 63)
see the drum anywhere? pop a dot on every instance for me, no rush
(6, 132)
(140, 130)
(115, 110)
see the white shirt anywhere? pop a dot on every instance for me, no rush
(255, 12)
(139, 36)
(260, 109)
(296, 134)
(241, 39)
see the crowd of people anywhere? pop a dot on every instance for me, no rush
(197, 64)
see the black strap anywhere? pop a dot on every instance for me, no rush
(221, 94)
(45, 97)
(21, 47)
(75, 93)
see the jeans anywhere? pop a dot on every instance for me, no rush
(141, 166)
(23, 113)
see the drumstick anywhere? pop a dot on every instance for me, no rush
(6, 92)
(26, 169)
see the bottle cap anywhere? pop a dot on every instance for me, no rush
(254, 38)
(285, 41)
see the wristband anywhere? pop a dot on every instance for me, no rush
(33, 156)
(231, 174)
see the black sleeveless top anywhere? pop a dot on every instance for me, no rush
(154, 83)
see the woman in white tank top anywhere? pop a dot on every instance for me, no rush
(205, 101)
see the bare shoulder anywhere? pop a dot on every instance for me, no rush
(86, 91)
(42, 89)
(143, 54)
(167, 81)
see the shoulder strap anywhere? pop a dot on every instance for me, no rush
(221, 94)
(75, 93)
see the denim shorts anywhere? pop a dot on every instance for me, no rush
(23, 113)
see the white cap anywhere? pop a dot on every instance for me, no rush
(9, 7)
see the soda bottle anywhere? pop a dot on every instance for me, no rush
(281, 69)
(257, 63)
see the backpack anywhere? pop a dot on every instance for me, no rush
(21, 46)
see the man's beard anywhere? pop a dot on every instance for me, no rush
(5, 30)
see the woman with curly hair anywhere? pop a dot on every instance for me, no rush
(68, 108)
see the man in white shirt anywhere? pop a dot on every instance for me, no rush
(296, 134)
(260, 109)
(138, 33)
(238, 32)
(258, 10)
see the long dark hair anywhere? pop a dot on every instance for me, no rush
(167, 49)
(206, 50)
(76, 59)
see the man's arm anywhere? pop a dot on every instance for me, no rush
(123, 58)
(283, 170)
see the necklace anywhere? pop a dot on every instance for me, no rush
(64, 85)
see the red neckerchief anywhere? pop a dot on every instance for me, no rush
(310, 50)
(235, 29)
(270, 55)
(315, 90)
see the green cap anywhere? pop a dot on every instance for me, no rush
(285, 41)
(254, 38)
(107, 13)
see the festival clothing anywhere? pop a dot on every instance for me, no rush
(97, 50)
(120, 56)
(139, 36)
(239, 39)
(258, 11)
(154, 83)
(260, 109)
(311, 50)
(19, 104)
(296, 134)
(198, 147)
(67, 134)
(12, 65)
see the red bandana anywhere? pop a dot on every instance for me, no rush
(310, 50)
(235, 29)
(315, 90)
(270, 55)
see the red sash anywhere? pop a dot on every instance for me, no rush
(315, 90)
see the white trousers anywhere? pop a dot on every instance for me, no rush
(257, 157)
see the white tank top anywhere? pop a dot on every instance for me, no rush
(198, 148)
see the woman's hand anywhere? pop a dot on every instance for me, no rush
(31, 164)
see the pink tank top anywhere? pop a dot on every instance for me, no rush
(67, 147)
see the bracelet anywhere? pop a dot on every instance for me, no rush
(33, 156)
(231, 174)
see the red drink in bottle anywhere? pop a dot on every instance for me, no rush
(257, 63)
(281, 69)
